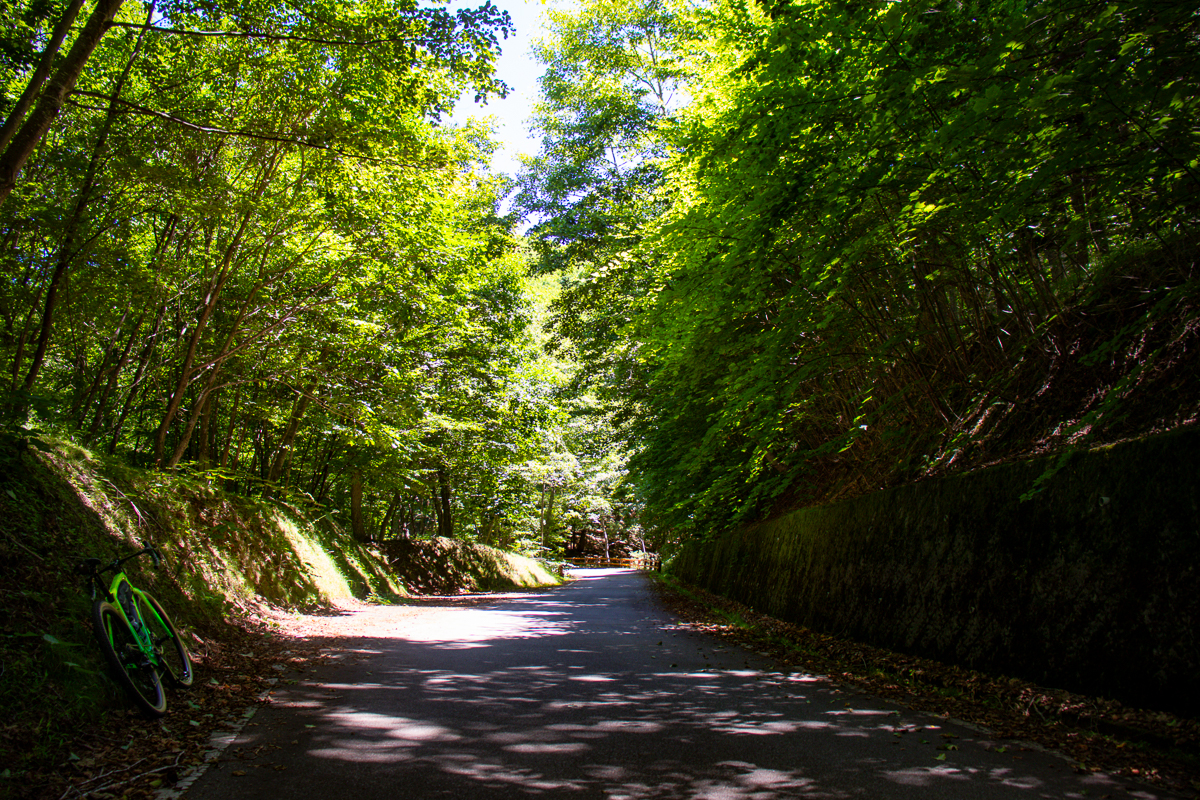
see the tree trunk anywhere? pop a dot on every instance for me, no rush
(113, 375)
(52, 290)
(284, 454)
(237, 402)
(56, 91)
(442, 503)
(547, 515)
(135, 386)
(389, 516)
(357, 525)
(67, 251)
(320, 477)
(84, 399)
(206, 427)
(22, 340)
(34, 86)
(486, 529)
(215, 286)
(185, 438)
(224, 352)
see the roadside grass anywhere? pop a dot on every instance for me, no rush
(61, 504)
(53, 679)
(57, 700)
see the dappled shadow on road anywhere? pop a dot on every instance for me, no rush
(535, 697)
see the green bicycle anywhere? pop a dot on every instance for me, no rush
(138, 639)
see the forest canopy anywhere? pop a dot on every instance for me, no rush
(778, 254)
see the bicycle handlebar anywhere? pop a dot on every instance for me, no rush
(93, 567)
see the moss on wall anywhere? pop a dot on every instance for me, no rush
(1092, 584)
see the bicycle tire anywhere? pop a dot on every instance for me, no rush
(126, 661)
(172, 652)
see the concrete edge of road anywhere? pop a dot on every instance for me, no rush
(218, 742)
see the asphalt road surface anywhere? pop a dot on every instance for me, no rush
(592, 691)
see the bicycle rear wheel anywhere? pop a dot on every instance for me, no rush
(172, 652)
(129, 665)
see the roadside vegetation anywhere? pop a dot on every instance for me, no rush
(780, 254)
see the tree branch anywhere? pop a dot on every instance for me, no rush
(263, 137)
(275, 37)
(17, 115)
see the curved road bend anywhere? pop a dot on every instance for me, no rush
(591, 691)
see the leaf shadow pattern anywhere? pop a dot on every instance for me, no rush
(592, 691)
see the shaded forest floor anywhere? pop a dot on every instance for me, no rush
(1094, 733)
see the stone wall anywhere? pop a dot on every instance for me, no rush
(1092, 585)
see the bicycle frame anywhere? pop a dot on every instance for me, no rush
(124, 596)
(126, 602)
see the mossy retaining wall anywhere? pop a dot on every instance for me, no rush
(1092, 585)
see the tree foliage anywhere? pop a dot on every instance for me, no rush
(863, 223)
(247, 248)
(613, 78)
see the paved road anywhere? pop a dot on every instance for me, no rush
(590, 691)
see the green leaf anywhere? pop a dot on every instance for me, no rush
(54, 641)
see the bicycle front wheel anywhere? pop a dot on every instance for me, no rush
(172, 652)
(129, 665)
